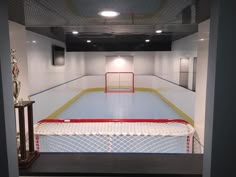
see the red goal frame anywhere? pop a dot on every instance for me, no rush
(119, 90)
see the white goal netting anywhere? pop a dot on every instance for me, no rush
(152, 136)
(119, 82)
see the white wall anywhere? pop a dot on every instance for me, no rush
(167, 64)
(119, 64)
(201, 84)
(186, 48)
(75, 65)
(144, 63)
(42, 74)
(18, 42)
(95, 62)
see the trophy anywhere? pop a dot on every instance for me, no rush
(15, 74)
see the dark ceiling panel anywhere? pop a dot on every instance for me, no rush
(16, 11)
(203, 10)
(119, 47)
(52, 32)
(91, 8)
(138, 20)
(84, 12)
(108, 38)
(108, 42)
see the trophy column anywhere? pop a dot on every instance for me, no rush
(26, 156)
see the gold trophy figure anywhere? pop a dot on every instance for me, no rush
(15, 74)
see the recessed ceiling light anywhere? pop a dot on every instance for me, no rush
(75, 32)
(34, 42)
(88, 41)
(202, 39)
(158, 31)
(109, 13)
(147, 40)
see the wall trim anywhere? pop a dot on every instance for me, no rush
(50, 88)
(174, 83)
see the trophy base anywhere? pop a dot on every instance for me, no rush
(30, 158)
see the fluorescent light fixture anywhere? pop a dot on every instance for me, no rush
(75, 32)
(34, 42)
(158, 31)
(109, 13)
(202, 39)
(147, 40)
(88, 41)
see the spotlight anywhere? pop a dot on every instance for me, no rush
(109, 13)
(158, 31)
(75, 32)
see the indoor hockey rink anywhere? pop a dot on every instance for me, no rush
(118, 112)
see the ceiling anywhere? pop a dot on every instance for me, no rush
(138, 20)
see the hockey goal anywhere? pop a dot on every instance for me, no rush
(114, 135)
(119, 82)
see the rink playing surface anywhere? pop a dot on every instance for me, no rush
(140, 104)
